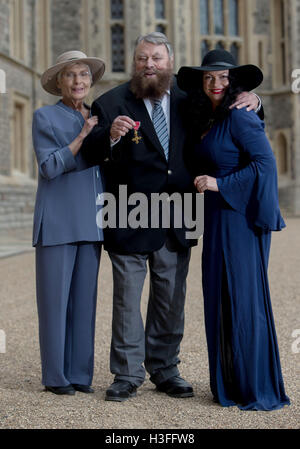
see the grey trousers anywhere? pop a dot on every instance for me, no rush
(66, 288)
(157, 346)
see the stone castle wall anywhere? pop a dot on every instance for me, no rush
(70, 29)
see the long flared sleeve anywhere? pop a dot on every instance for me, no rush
(253, 190)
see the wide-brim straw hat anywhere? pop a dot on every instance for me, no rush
(248, 76)
(49, 77)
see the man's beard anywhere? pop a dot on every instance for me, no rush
(149, 88)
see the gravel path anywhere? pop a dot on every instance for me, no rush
(24, 404)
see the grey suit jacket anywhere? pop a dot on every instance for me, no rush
(65, 208)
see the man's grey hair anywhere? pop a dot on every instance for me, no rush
(155, 38)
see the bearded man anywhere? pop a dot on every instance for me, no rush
(142, 124)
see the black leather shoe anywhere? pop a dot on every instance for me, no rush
(61, 390)
(120, 391)
(176, 387)
(83, 388)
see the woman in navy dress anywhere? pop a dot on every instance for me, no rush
(236, 169)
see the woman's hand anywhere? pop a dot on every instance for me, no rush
(205, 182)
(86, 129)
(89, 125)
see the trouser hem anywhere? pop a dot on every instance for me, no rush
(164, 374)
(137, 381)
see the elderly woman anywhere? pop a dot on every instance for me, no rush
(65, 234)
(236, 170)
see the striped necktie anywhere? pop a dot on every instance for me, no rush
(160, 125)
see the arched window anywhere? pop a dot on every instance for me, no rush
(117, 48)
(204, 49)
(234, 50)
(219, 16)
(161, 23)
(220, 46)
(116, 9)
(219, 23)
(161, 28)
(160, 12)
(233, 18)
(204, 16)
(117, 36)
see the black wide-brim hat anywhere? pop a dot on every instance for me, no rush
(248, 76)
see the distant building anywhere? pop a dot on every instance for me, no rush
(34, 32)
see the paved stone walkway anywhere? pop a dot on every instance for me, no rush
(15, 242)
(24, 404)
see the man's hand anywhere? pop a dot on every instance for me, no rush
(205, 182)
(246, 99)
(120, 126)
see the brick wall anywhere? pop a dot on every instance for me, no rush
(16, 202)
(66, 25)
(16, 207)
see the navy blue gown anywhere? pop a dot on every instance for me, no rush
(242, 346)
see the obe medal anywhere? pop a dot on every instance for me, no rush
(136, 139)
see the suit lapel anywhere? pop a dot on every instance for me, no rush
(176, 131)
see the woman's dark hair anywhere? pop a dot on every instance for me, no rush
(200, 113)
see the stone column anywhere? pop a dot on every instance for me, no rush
(295, 64)
(182, 35)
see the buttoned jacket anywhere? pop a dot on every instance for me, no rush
(68, 187)
(141, 166)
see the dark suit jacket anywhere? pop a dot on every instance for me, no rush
(141, 167)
